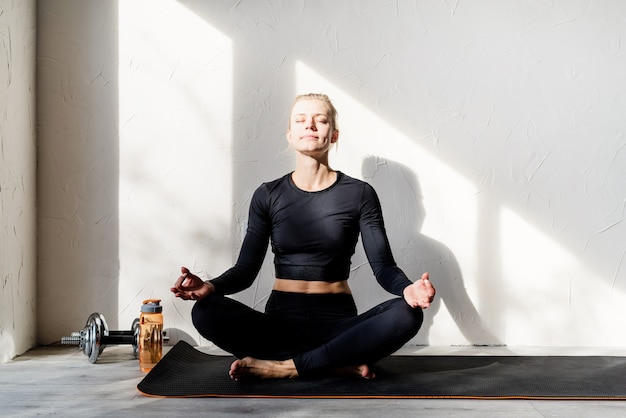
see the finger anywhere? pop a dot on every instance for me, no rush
(428, 286)
(427, 283)
(188, 276)
(179, 283)
(184, 273)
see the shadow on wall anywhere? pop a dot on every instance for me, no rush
(176, 334)
(78, 166)
(416, 253)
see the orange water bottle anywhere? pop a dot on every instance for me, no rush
(150, 334)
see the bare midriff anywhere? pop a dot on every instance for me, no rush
(313, 287)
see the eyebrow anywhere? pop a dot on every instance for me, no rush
(316, 114)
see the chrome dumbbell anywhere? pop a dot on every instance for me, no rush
(96, 336)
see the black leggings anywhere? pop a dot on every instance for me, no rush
(319, 332)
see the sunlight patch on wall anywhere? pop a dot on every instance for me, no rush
(364, 134)
(439, 190)
(175, 77)
(526, 291)
(552, 298)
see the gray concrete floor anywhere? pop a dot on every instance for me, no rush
(58, 380)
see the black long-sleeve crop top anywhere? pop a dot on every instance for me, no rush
(313, 235)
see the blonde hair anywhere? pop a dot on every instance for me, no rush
(323, 98)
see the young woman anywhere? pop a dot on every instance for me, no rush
(313, 218)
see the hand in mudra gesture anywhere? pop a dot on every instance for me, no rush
(420, 294)
(191, 287)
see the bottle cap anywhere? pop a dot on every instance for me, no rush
(151, 306)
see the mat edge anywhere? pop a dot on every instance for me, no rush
(346, 397)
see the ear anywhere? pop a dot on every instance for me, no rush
(335, 137)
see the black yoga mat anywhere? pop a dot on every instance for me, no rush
(187, 372)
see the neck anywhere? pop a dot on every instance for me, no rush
(313, 175)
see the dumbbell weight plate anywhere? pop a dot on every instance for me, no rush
(135, 328)
(95, 329)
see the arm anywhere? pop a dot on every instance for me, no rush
(378, 251)
(253, 249)
(376, 244)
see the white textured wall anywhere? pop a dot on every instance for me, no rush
(17, 178)
(78, 165)
(493, 131)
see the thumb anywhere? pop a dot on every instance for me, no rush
(184, 270)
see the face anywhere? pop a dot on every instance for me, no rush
(310, 127)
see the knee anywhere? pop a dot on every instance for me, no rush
(198, 314)
(408, 318)
(204, 315)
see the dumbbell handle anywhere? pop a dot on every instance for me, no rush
(114, 337)
(118, 337)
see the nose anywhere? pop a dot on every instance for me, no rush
(310, 123)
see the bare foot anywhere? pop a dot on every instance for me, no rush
(363, 371)
(249, 367)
